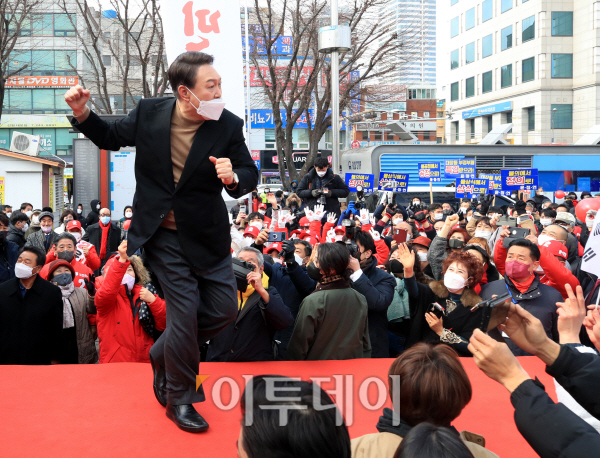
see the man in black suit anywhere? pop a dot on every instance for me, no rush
(187, 149)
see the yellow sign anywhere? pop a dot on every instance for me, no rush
(200, 380)
(33, 121)
(1, 190)
(51, 195)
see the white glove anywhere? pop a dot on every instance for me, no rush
(319, 212)
(309, 214)
(372, 219)
(331, 218)
(331, 236)
(281, 222)
(364, 217)
(376, 235)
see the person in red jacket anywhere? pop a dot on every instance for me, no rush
(64, 248)
(118, 298)
(85, 252)
(552, 270)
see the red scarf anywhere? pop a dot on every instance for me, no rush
(524, 286)
(104, 239)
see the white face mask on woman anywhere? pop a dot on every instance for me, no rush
(422, 256)
(483, 234)
(129, 281)
(454, 281)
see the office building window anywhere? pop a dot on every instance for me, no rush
(426, 135)
(454, 59)
(64, 26)
(487, 10)
(486, 82)
(487, 45)
(509, 120)
(456, 130)
(506, 5)
(377, 136)
(563, 116)
(506, 76)
(489, 124)
(453, 92)
(470, 19)
(106, 60)
(528, 69)
(470, 87)
(562, 23)
(562, 65)
(472, 127)
(528, 29)
(506, 36)
(454, 27)
(42, 25)
(531, 119)
(470, 53)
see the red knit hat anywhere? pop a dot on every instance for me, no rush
(58, 263)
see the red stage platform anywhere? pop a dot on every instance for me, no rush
(110, 411)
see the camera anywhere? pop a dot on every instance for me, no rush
(515, 233)
(241, 269)
(494, 313)
(350, 227)
(437, 310)
(420, 216)
(276, 236)
(351, 246)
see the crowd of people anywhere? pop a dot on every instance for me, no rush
(317, 281)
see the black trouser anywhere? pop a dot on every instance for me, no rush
(200, 304)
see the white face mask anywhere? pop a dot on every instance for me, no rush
(438, 216)
(454, 281)
(589, 222)
(257, 224)
(46, 229)
(29, 213)
(483, 234)
(209, 109)
(25, 227)
(129, 281)
(322, 174)
(298, 259)
(422, 255)
(79, 211)
(339, 237)
(543, 238)
(35, 220)
(416, 203)
(438, 233)
(97, 207)
(469, 218)
(128, 214)
(77, 235)
(262, 212)
(529, 212)
(397, 221)
(9, 214)
(23, 271)
(545, 221)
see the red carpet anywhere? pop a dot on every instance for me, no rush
(110, 411)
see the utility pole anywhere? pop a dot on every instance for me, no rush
(248, 108)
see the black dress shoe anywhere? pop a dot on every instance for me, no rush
(159, 382)
(186, 418)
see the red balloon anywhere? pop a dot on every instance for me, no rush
(559, 194)
(584, 205)
(126, 224)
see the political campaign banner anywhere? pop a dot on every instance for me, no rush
(429, 171)
(519, 179)
(472, 187)
(495, 184)
(395, 182)
(357, 179)
(459, 168)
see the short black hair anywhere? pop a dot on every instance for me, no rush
(429, 441)
(184, 70)
(495, 209)
(334, 257)
(4, 219)
(65, 235)
(41, 256)
(321, 162)
(307, 246)
(126, 207)
(24, 205)
(18, 216)
(434, 207)
(48, 209)
(366, 240)
(255, 215)
(314, 427)
(533, 248)
(566, 209)
(549, 212)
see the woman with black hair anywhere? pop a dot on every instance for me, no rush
(313, 426)
(332, 321)
(429, 441)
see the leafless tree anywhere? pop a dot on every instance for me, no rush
(15, 22)
(301, 85)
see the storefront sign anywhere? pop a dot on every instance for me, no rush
(14, 121)
(42, 81)
(484, 111)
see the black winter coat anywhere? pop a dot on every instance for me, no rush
(93, 216)
(16, 236)
(94, 236)
(334, 183)
(552, 429)
(294, 284)
(9, 253)
(197, 196)
(539, 300)
(378, 288)
(572, 248)
(30, 326)
(249, 338)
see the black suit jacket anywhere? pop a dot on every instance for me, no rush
(200, 213)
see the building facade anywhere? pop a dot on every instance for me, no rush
(533, 63)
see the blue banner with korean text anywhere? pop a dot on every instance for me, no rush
(429, 171)
(396, 182)
(357, 179)
(471, 187)
(519, 180)
(459, 168)
(495, 184)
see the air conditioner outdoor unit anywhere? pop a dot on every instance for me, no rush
(25, 143)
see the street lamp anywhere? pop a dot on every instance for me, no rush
(553, 113)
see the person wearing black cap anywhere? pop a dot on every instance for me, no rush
(44, 238)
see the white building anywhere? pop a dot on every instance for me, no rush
(535, 63)
(415, 23)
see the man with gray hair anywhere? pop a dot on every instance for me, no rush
(567, 221)
(261, 312)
